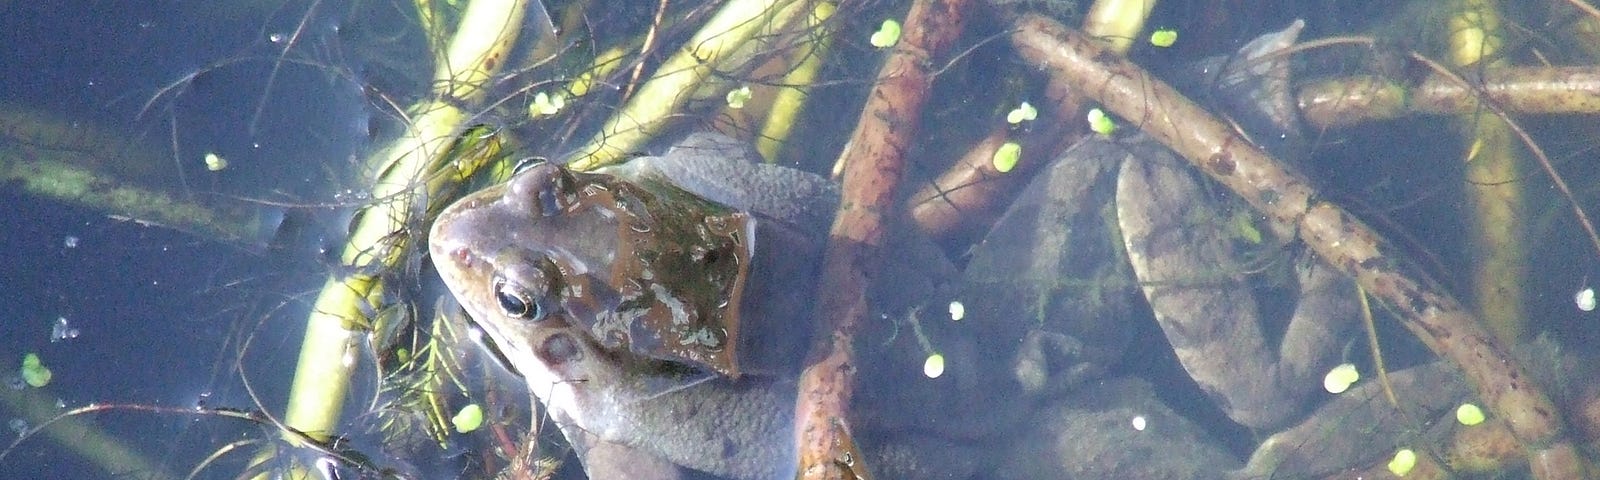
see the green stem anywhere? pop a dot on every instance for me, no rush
(405, 173)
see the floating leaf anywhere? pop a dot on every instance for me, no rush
(1402, 463)
(34, 372)
(1022, 113)
(1340, 378)
(1164, 37)
(468, 419)
(738, 96)
(933, 367)
(1006, 157)
(887, 35)
(1469, 414)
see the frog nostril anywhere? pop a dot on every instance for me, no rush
(560, 348)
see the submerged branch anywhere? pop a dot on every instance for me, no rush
(874, 162)
(1338, 102)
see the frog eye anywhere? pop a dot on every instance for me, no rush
(518, 302)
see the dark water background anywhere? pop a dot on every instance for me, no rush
(162, 313)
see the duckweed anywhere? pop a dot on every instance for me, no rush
(1402, 463)
(1022, 113)
(1340, 378)
(887, 35)
(1164, 37)
(34, 372)
(1469, 414)
(1006, 157)
(1100, 122)
(738, 96)
(933, 367)
(468, 419)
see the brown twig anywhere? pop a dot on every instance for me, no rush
(1288, 199)
(970, 188)
(873, 165)
(973, 191)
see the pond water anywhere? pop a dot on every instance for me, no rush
(173, 333)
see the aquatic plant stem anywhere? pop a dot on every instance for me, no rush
(716, 47)
(404, 183)
(1494, 186)
(1117, 22)
(53, 174)
(790, 100)
(1288, 199)
(96, 168)
(873, 164)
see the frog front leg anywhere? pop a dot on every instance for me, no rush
(1187, 269)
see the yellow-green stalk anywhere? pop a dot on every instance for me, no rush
(791, 97)
(404, 170)
(716, 47)
(1494, 184)
(1117, 22)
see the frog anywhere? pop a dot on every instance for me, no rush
(563, 269)
(658, 310)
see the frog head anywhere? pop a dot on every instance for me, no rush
(623, 315)
(636, 267)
